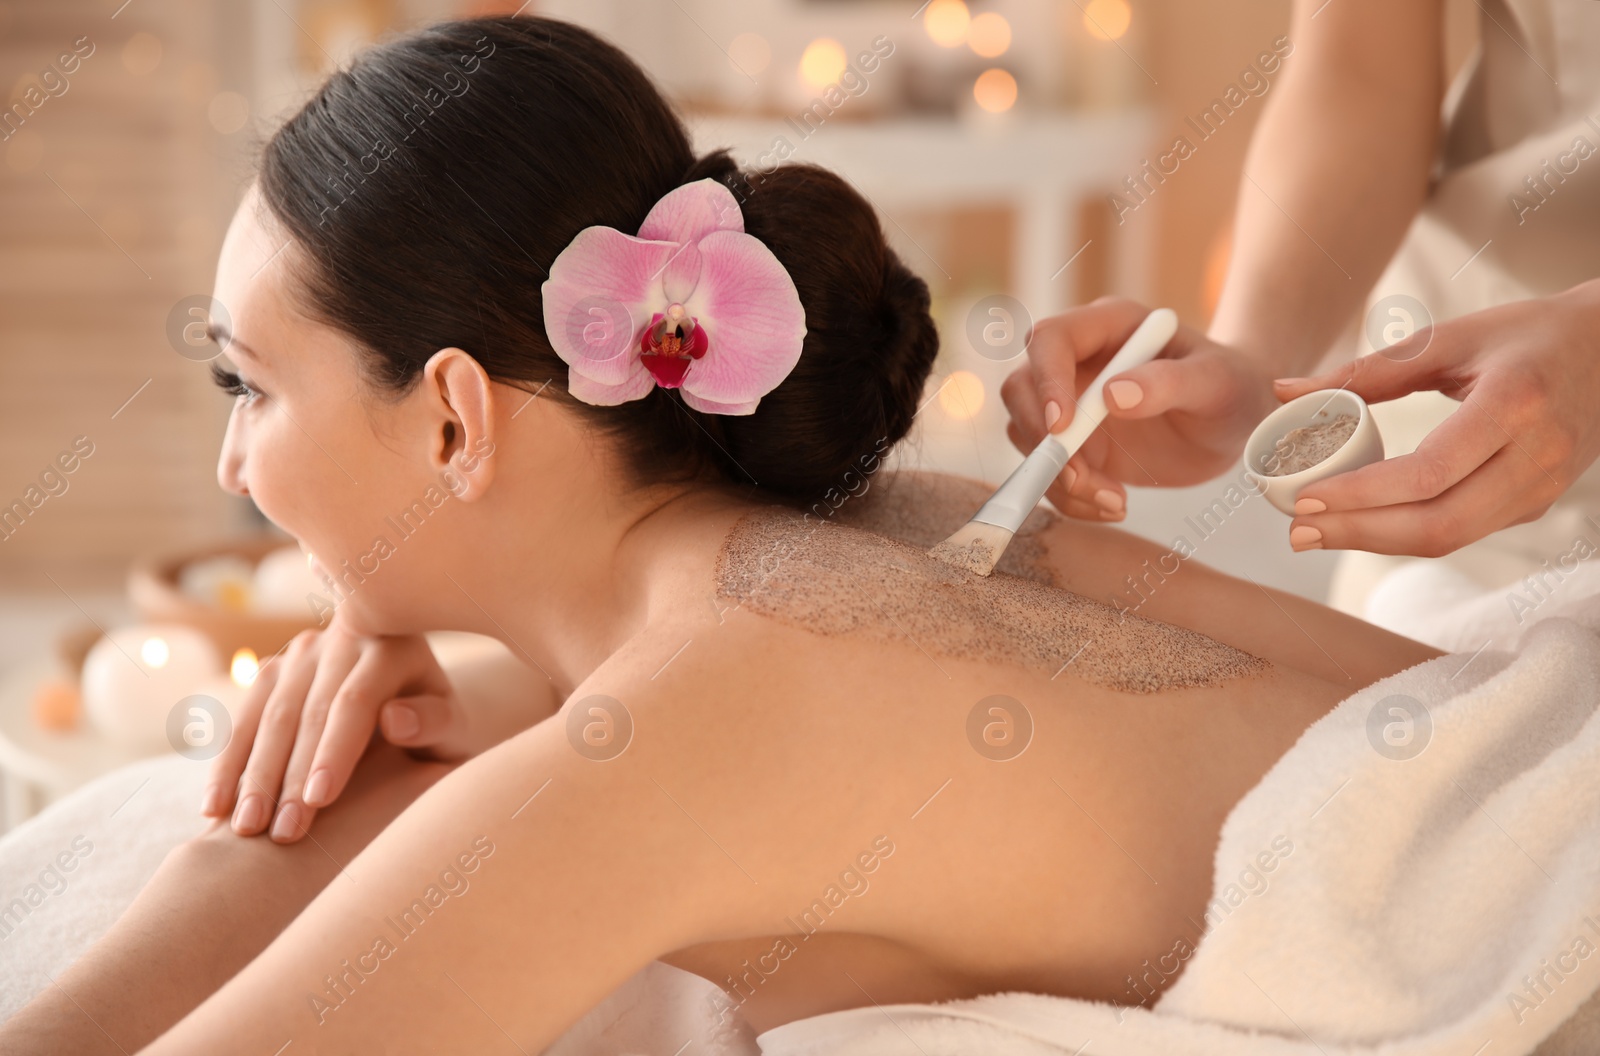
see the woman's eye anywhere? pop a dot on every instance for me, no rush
(232, 384)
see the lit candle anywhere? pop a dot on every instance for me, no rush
(134, 677)
(204, 728)
(243, 668)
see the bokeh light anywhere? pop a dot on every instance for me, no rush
(995, 90)
(961, 396)
(198, 81)
(822, 63)
(1107, 19)
(244, 668)
(947, 22)
(989, 35)
(155, 652)
(228, 112)
(750, 53)
(141, 54)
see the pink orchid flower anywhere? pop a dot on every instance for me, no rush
(692, 303)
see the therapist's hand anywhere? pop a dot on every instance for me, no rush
(1528, 378)
(1197, 404)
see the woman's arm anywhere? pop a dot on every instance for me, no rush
(1140, 578)
(513, 895)
(104, 1002)
(1336, 170)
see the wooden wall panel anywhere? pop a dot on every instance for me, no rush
(114, 196)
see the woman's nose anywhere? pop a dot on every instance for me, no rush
(230, 463)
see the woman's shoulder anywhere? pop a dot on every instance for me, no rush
(783, 605)
(784, 614)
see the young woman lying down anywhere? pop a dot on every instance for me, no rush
(509, 358)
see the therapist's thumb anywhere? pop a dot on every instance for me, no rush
(1191, 384)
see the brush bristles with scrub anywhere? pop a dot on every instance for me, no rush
(978, 545)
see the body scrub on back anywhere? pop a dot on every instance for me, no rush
(838, 580)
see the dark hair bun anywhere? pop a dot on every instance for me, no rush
(423, 225)
(870, 340)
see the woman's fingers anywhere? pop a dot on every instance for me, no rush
(1094, 488)
(1025, 406)
(222, 784)
(1082, 485)
(1199, 383)
(425, 712)
(1458, 446)
(1427, 359)
(1486, 501)
(339, 654)
(375, 678)
(1056, 348)
(275, 736)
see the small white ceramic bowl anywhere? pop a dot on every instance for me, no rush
(1364, 447)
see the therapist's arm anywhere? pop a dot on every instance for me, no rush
(1336, 171)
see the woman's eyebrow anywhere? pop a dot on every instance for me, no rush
(218, 333)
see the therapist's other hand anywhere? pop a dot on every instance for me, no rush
(308, 717)
(1528, 378)
(1196, 405)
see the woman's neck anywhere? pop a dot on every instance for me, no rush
(566, 602)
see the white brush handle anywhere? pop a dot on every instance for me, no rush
(1021, 492)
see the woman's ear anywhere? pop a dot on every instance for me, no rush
(461, 422)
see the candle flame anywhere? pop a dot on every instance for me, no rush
(244, 667)
(154, 652)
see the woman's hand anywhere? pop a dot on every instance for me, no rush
(1194, 407)
(307, 719)
(1528, 378)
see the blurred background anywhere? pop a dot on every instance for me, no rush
(997, 139)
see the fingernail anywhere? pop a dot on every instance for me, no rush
(252, 813)
(1069, 475)
(287, 823)
(317, 788)
(1305, 537)
(399, 721)
(209, 802)
(1309, 505)
(1126, 393)
(1108, 500)
(1052, 414)
(1285, 381)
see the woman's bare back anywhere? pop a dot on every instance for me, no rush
(1036, 780)
(813, 820)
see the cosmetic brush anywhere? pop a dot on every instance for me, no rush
(977, 546)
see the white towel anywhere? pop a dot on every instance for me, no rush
(114, 831)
